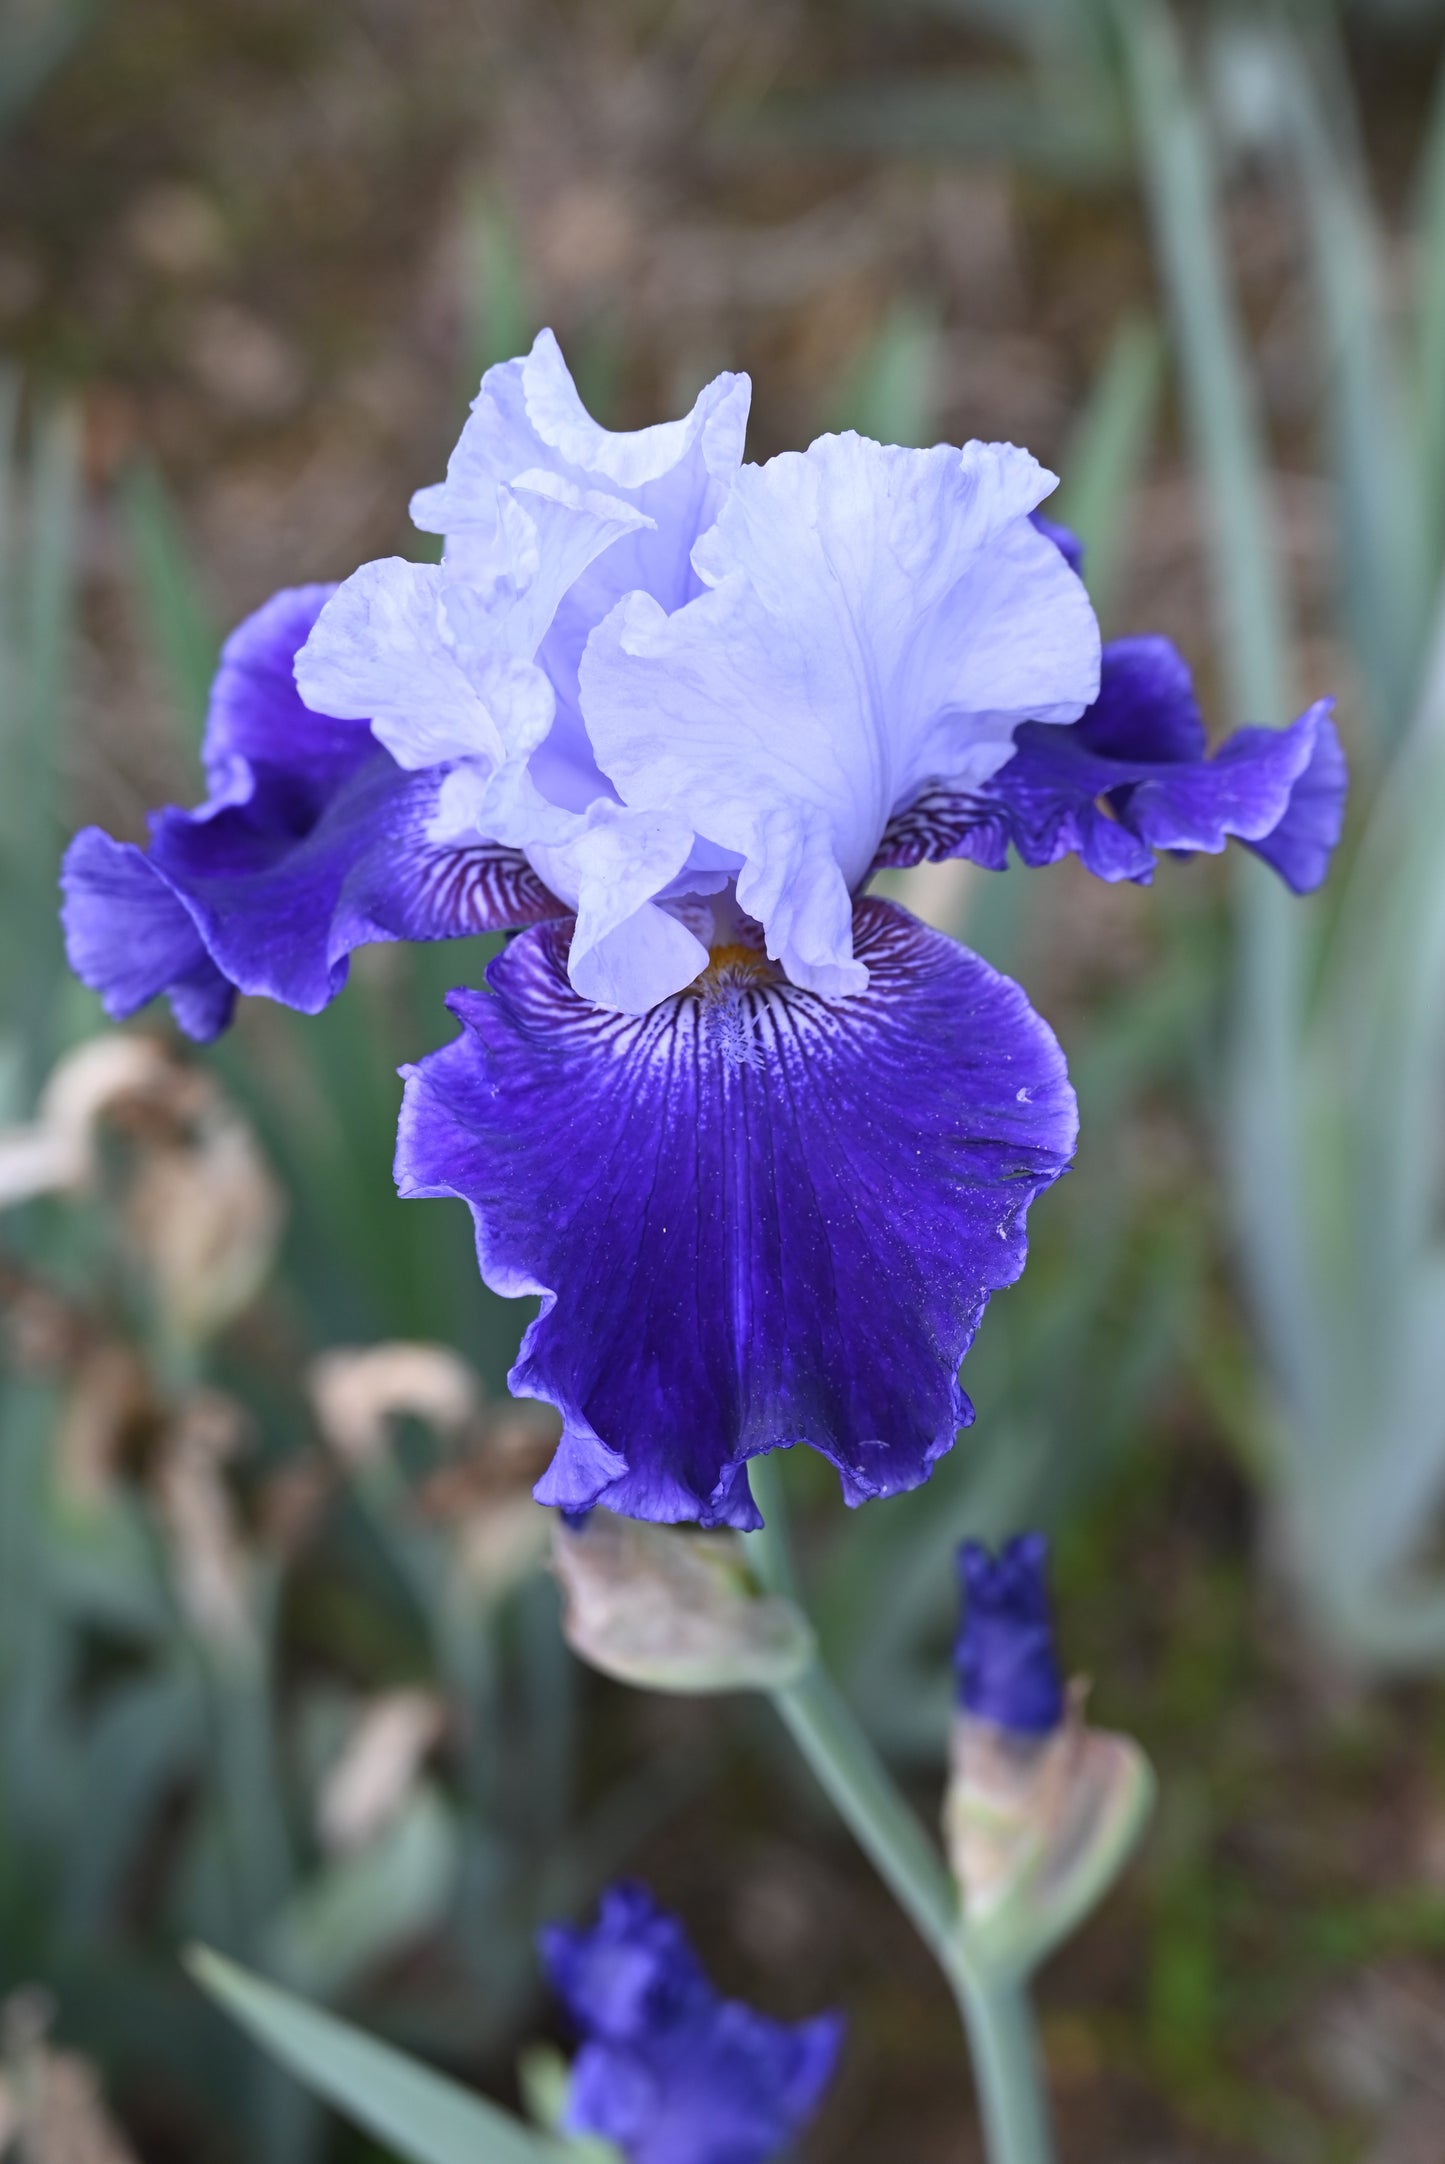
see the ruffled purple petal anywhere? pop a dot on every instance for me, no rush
(257, 714)
(756, 1217)
(281, 914)
(1132, 778)
(313, 842)
(668, 2070)
(1146, 712)
(1301, 846)
(732, 2091)
(129, 937)
(634, 1972)
(615, 2094)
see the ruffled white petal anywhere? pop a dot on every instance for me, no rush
(442, 661)
(852, 623)
(627, 953)
(384, 649)
(528, 416)
(876, 618)
(608, 863)
(549, 519)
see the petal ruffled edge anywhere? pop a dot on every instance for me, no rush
(1301, 846)
(528, 419)
(128, 937)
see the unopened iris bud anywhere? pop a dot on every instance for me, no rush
(1008, 1671)
(1042, 1811)
(670, 1610)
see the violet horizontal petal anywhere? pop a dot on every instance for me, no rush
(1132, 779)
(281, 916)
(129, 936)
(313, 843)
(257, 717)
(1301, 846)
(755, 1217)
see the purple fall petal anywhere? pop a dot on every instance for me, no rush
(1132, 778)
(1146, 712)
(312, 843)
(257, 715)
(1301, 846)
(128, 937)
(756, 1217)
(281, 913)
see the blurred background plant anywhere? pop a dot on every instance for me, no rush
(277, 1664)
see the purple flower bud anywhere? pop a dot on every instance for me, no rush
(668, 2070)
(1007, 1668)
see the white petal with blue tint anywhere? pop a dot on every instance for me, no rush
(875, 618)
(528, 418)
(549, 519)
(442, 666)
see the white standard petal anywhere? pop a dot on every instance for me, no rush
(609, 864)
(441, 661)
(529, 431)
(383, 650)
(570, 528)
(528, 416)
(627, 952)
(877, 618)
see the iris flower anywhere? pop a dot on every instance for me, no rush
(669, 2071)
(762, 1143)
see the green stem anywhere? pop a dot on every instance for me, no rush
(995, 2009)
(1012, 2096)
(845, 1762)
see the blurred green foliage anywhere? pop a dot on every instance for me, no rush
(179, 1675)
(1333, 1118)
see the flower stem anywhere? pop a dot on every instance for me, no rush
(827, 1733)
(1012, 2097)
(995, 2009)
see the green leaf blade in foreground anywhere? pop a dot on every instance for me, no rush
(424, 2117)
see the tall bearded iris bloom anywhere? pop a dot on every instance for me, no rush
(762, 1144)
